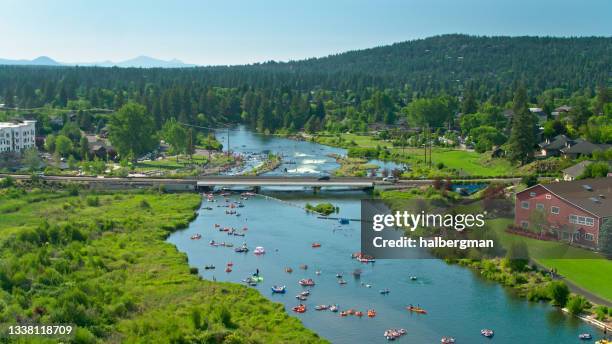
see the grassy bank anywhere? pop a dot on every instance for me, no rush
(100, 261)
(353, 167)
(446, 161)
(586, 269)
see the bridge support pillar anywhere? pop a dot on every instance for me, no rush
(316, 189)
(257, 189)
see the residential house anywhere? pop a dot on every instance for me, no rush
(539, 112)
(561, 110)
(552, 147)
(571, 211)
(99, 147)
(573, 172)
(582, 148)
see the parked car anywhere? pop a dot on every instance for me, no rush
(390, 179)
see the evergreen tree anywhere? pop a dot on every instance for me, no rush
(522, 135)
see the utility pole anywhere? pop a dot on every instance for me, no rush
(228, 143)
(190, 145)
(425, 144)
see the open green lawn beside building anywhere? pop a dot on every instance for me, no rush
(101, 262)
(454, 162)
(586, 269)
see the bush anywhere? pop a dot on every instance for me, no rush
(530, 180)
(558, 292)
(7, 182)
(322, 208)
(577, 304)
(144, 204)
(601, 312)
(92, 201)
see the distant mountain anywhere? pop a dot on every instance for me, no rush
(139, 62)
(39, 61)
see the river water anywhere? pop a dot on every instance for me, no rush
(459, 303)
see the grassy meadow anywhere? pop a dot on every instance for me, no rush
(455, 162)
(101, 262)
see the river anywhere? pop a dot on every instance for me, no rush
(459, 303)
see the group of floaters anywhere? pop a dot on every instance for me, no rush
(363, 258)
(393, 334)
(228, 267)
(196, 236)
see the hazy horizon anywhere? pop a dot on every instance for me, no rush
(242, 32)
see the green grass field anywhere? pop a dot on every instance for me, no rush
(584, 268)
(101, 261)
(462, 162)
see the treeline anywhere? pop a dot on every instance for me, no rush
(340, 92)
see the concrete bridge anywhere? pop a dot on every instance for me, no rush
(208, 182)
(259, 181)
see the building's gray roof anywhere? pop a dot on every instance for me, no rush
(577, 170)
(558, 142)
(592, 195)
(585, 147)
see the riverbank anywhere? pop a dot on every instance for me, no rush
(115, 277)
(529, 281)
(353, 167)
(446, 162)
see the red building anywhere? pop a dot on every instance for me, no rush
(572, 211)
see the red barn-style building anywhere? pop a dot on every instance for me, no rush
(572, 211)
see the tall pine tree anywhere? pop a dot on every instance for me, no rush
(522, 135)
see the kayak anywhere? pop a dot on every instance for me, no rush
(416, 309)
(315, 245)
(306, 282)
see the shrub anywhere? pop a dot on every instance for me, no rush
(92, 201)
(144, 204)
(601, 312)
(322, 208)
(558, 292)
(7, 182)
(577, 304)
(530, 180)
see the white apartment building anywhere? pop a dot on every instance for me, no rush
(17, 136)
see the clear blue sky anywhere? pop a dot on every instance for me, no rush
(232, 32)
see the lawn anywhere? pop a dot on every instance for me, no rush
(170, 163)
(584, 268)
(101, 262)
(456, 162)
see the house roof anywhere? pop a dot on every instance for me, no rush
(584, 147)
(558, 142)
(592, 195)
(563, 108)
(578, 169)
